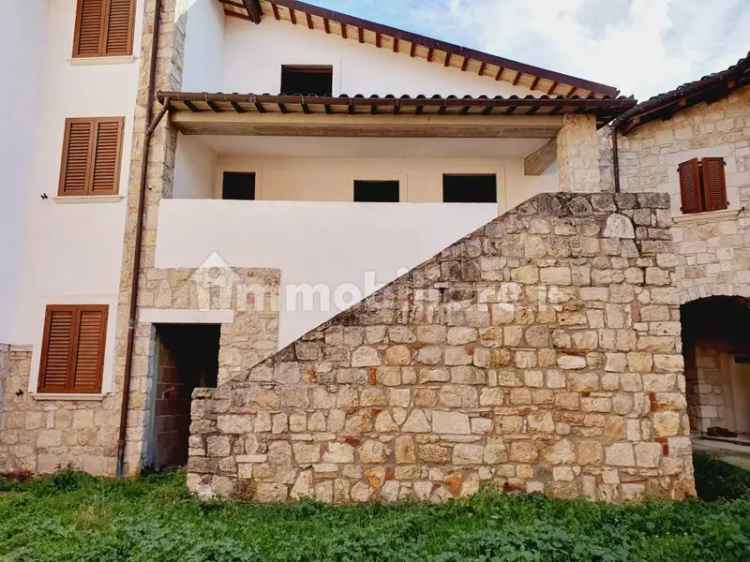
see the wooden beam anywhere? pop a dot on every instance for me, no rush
(536, 163)
(465, 64)
(482, 67)
(517, 78)
(344, 32)
(378, 39)
(253, 10)
(448, 58)
(367, 125)
(361, 34)
(292, 16)
(275, 9)
(327, 25)
(395, 44)
(309, 19)
(430, 53)
(499, 73)
(413, 49)
(534, 83)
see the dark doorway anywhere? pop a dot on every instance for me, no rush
(470, 188)
(376, 191)
(187, 358)
(716, 348)
(238, 185)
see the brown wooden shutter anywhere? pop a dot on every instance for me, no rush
(106, 161)
(119, 28)
(73, 349)
(104, 28)
(76, 157)
(89, 30)
(714, 184)
(690, 186)
(57, 349)
(92, 151)
(89, 356)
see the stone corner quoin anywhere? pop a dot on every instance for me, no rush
(540, 353)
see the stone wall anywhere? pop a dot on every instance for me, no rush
(45, 436)
(540, 353)
(712, 250)
(578, 154)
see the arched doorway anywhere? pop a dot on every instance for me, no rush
(716, 347)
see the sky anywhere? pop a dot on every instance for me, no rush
(642, 47)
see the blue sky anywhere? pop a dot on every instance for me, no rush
(643, 47)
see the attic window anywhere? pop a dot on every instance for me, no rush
(307, 80)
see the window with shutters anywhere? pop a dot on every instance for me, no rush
(703, 185)
(73, 349)
(91, 156)
(104, 28)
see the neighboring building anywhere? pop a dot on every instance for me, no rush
(540, 352)
(694, 144)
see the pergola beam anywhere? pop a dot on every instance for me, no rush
(366, 125)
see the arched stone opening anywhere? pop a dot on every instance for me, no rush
(716, 346)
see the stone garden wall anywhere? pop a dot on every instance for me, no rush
(540, 354)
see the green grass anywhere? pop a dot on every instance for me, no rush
(76, 517)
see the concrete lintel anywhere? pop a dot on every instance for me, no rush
(184, 316)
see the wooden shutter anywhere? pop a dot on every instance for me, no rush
(57, 349)
(76, 156)
(104, 28)
(92, 150)
(73, 349)
(714, 184)
(119, 27)
(690, 186)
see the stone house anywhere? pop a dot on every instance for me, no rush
(694, 144)
(355, 297)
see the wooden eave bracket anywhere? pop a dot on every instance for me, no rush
(253, 10)
(536, 163)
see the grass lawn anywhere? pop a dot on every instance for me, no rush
(77, 517)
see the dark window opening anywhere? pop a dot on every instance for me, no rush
(473, 188)
(307, 80)
(187, 358)
(376, 191)
(238, 185)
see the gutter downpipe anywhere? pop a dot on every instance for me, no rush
(132, 316)
(615, 157)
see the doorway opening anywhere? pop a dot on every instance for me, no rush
(187, 357)
(716, 347)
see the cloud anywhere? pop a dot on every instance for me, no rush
(643, 47)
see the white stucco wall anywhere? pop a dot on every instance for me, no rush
(253, 54)
(22, 39)
(331, 244)
(71, 251)
(325, 169)
(204, 50)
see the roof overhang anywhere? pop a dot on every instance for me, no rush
(708, 89)
(281, 115)
(417, 46)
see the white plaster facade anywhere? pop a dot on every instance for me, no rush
(57, 251)
(72, 250)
